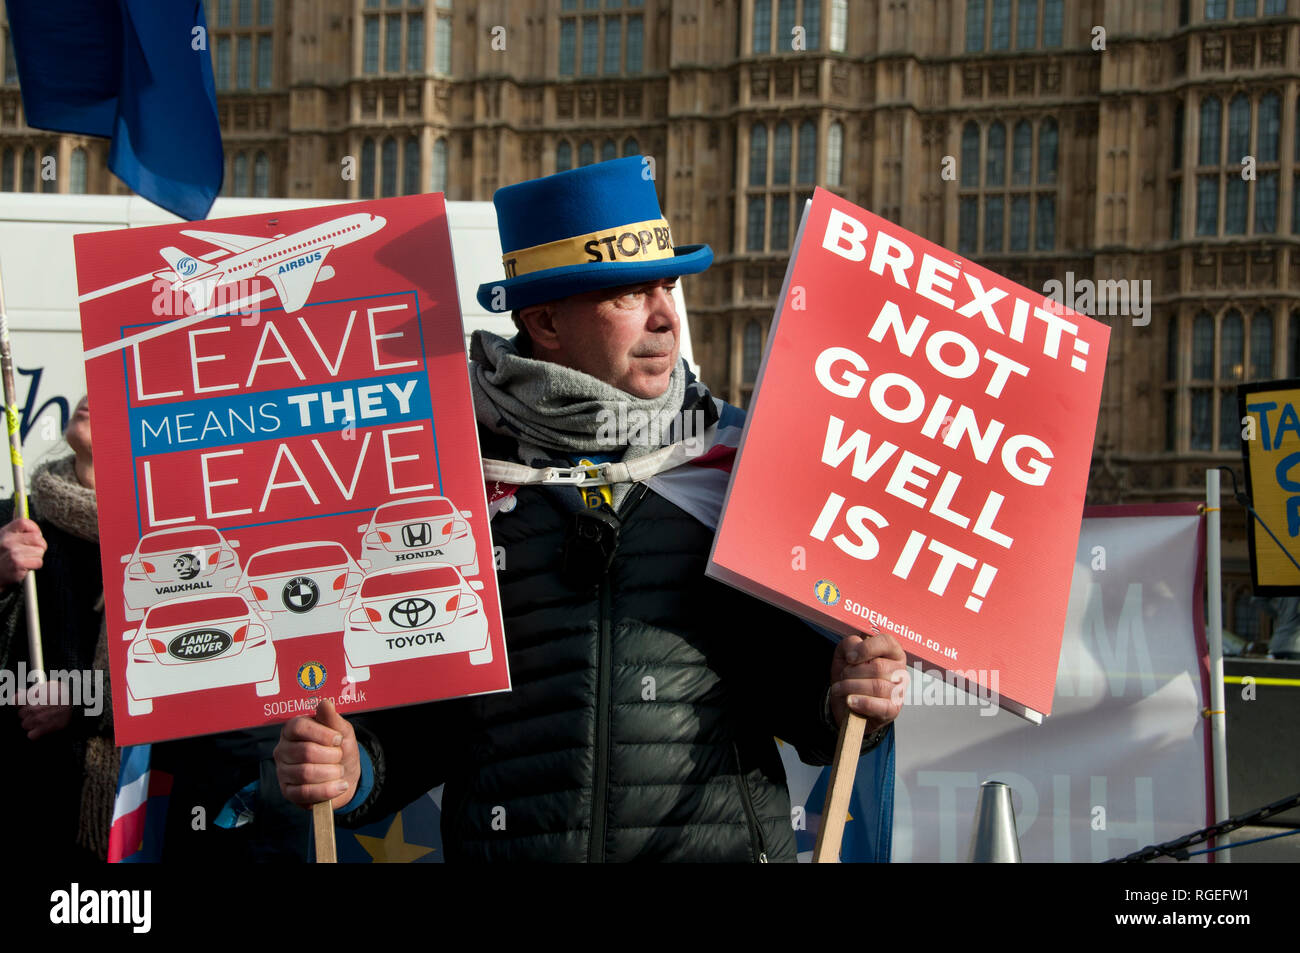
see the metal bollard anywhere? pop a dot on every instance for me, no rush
(993, 839)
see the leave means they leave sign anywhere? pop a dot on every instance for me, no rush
(917, 453)
(291, 502)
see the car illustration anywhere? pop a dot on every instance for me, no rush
(414, 612)
(195, 643)
(169, 562)
(421, 529)
(298, 589)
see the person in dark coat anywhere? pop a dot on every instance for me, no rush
(645, 695)
(60, 743)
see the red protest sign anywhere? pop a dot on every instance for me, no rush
(291, 502)
(917, 454)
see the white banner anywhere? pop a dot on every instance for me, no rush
(1123, 761)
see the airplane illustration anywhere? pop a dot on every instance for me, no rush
(291, 263)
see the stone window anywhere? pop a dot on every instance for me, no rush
(751, 352)
(243, 49)
(1224, 349)
(366, 184)
(11, 62)
(1237, 174)
(989, 24)
(411, 166)
(77, 178)
(240, 177)
(782, 170)
(608, 43)
(438, 177)
(1007, 197)
(388, 169)
(776, 31)
(261, 176)
(403, 39)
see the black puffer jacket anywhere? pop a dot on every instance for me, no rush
(48, 800)
(641, 721)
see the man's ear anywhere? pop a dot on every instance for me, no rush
(539, 321)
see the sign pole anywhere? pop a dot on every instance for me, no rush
(843, 771)
(34, 653)
(322, 823)
(1217, 711)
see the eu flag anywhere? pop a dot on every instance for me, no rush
(869, 828)
(137, 72)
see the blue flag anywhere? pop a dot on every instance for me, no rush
(869, 828)
(411, 836)
(137, 72)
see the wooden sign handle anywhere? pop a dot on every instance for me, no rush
(843, 770)
(322, 822)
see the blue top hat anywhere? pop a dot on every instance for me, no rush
(598, 226)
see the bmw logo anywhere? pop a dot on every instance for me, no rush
(300, 594)
(311, 675)
(827, 592)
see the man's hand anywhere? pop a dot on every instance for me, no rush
(47, 712)
(869, 677)
(22, 548)
(317, 759)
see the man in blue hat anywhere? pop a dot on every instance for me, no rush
(645, 695)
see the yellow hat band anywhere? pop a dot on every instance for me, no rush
(639, 241)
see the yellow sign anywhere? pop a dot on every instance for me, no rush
(1270, 439)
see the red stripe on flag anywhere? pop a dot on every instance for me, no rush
(497, 490)
(127, 834)
(720, 457)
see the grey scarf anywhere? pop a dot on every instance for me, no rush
(555, 410)
(64, 501)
